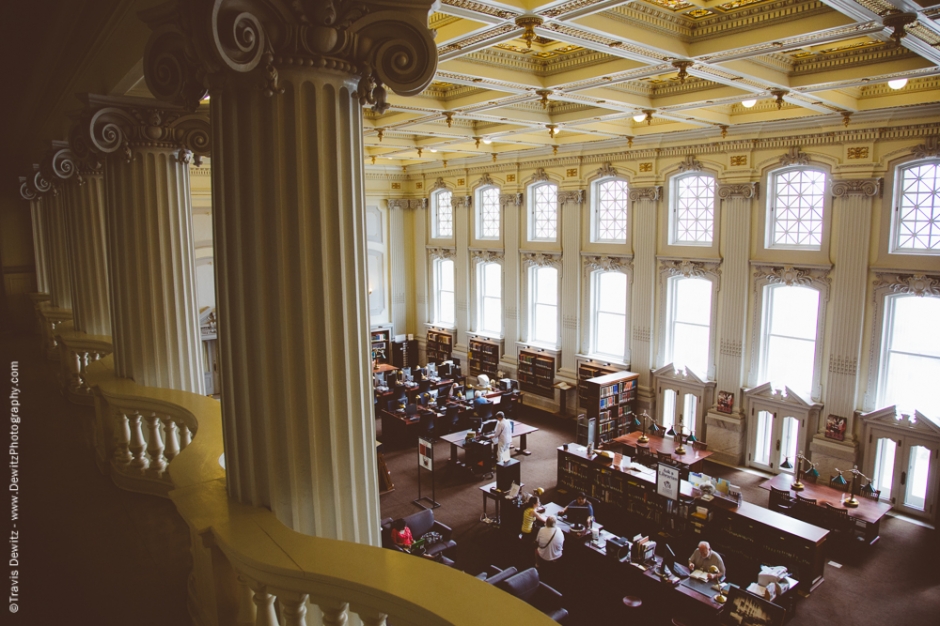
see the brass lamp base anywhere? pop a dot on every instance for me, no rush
(680, 450)
(720, 598)
(643, 439)
(851, 502)
(797, 486)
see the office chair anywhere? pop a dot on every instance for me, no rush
(424, 385)
(394, 405)
(427, 425)
(451, 417)
(476, 423)
(484, 411)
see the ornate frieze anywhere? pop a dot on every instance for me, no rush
(869, 187)
(740, 190)
(461, 202)
(606, 263)
(384, 42)
(407, 203)
(930, 148)
(541, 259)
(483, 255)
(844, 365)
(505, 199)
(791, 276)
(653, 193)
(794, 156)
(689, 269)
(691, 164)
(914, 284)
(606, 171)
(575, 196)
(436, 252)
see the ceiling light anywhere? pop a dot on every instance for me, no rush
(487, 141)
(433, 149)
(639, 117)
(897, 83)
(747, 104)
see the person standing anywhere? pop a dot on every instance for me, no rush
(549, 544)
(503, 434)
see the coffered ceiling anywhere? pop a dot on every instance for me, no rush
(522, 74)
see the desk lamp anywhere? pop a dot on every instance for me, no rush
(680, 449)
(720, 598)
(852, 502)
(800, 472)
(654, 428)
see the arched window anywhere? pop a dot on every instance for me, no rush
(692, 219)
(543, 326)
(788, 338)
(487, 214)
(543, 212)
(609, 313)
(688, 323)
(443, 292)
(442, 215)
(610, 211)
(796, 206)
(490, 286)
(916, 224)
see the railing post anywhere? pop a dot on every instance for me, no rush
(122, 452)
(155, 444)
(246, 605)
(334, 611)
(293, 607)
(264, 603)
(172, 444)
(369, 617)
(137, 444)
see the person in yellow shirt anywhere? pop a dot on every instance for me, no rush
(531, 515)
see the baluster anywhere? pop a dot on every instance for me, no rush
(186, 436)
(155, 444)
(334, 611)
(293, 607)
(122, 453)
(137, 445)
(370, 617)
(246, 605)
(172, 444)
(264, 603)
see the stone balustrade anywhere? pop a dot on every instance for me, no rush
(49, 318)
(248, 567)
(76, 352)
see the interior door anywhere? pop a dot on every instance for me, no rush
(905, 471)
(775, 442)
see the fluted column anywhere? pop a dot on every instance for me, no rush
(399, 280)
(146, 153)
(852, 213)
(511, 204)
(462, 267)
(645, 201)
(39, 246)
(60, 273)
(289, 231)
(569, 206)
(88, 242)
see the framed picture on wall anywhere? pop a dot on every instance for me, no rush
(835, 427)
(725, 402)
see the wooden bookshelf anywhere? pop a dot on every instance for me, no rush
(439, 346)
(611, 399)
(536, 373)
(405, 353)
(586, 371)
(381, 343)
(484, 357)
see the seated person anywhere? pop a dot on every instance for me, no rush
(703, 558)
(479, 401)
(581, 500)
(531, 515)
(401, 534)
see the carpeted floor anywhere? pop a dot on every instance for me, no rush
(895, 582)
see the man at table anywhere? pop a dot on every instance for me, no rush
(503, 435)
(581, 500)
(703, 558)
(479, 400)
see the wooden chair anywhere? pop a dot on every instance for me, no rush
(663, 456)
(836, 484)
(644, 457)
(809, 478)
(836, 519)
(700, 446)
(806, 509)
(874, 495)
(781, 501)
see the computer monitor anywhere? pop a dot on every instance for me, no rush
(434, 393)
(468, 394)
(432, 370)
(446, 391)
(577, 515)
(669, 558)
(407, 373)
(379, 378)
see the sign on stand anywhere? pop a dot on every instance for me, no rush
(667, 481)
(426, 462)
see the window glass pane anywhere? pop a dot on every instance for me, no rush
(447, 308)
(612, 292)
(492, 318)
(911, 383)
(544, 212)
(765, 433)
(788, 441)
(612, 211)
(546, 286)
(919, 210)
(693, 301)
(611, 334)
(690, 348)
(688, 413)
(489, 213)
(794, 311)
(912, 356)
(798, 208)
(884, 467)
(790, 363)
(695, 209)
(447, 275)
(546, 324)
(669, 409)
(492, 280)
(689, 324)
(444, 214)
(913, 314)
(918, 469)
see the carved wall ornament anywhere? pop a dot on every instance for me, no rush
(441, 253)
(914, 284)
(869, 187)
(689, 269)
(653, 193)
(739, 160)
(461, 202)
(540, 175)
(794, 157)
(791, 276)
(486, 181)
(740, 190)
(386, 43)
(691, 164)
(482, 255)
(541, 259)
(407, 203)
(607, 171)
(646, 167)
(576, 196)
(438, 184)
(930, 148)
(514, 199)
(845, 365)
(606, 263)
(209, 326)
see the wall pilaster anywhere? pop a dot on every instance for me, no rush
(512, 205)
(569, 205)
(645, 203)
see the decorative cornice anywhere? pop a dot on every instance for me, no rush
(930, 148)
(435, 252)
(485, 255)
(606, 263)
(384, 42)
(791, 276)
(794, 156)
(869, 187)
(514, 199)
(574, 195)
(691, 164)
(740, 190)
(407, 203)
(541, 259)
(653, 193)
(461, 202)
(914, 284)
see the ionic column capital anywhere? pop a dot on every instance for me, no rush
(58, 164)
(740, 190)
(195, 43)
(112, 124)
(653, 193)
(868, 187)
(33, 185)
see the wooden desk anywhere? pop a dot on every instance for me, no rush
(692, 459)
(382, 368)
(459, 439)
(869, 512)
(555, 509)
(497, 496)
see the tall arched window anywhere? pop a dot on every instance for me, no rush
(543, 326)
(442, 215)
(688, 323)
(910, 358)
(443, 292)
(543, 212)
(487, 213)
(796, 205)
(609, 312)
(916, 224)
(490, 286)
(692, 219)
(788, 338)
(610, 211)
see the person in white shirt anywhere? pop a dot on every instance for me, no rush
(548, 547)
(503, 435)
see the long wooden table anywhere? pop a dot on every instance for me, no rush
(459, 439)
(692, 459)
(868, 512)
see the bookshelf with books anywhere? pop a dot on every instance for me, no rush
(483, 355)
(611, 399)
(536, 372)
(381, 342)
(587, 369)
(439, 346)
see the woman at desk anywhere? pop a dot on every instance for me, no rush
(531, 515)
